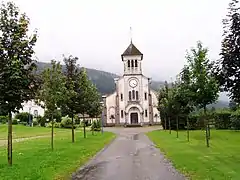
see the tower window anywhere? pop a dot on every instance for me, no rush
(130, 95)
(128, 63)
(132, 63)
(121, 97)
(146, 113)
(121, 113)
(136, 63)
(133, 94)
(137, 95)
(145, 96)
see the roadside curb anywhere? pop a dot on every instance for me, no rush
(88, 163)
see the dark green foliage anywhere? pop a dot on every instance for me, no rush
(96, 125)
(41, 121)
(233, 105)
(35, 122)
(23, 116)
(67, 122)
(15, 121)
(228, 67)
(3, 119)
(222, 119)
(17, 81)
(57, 115)
(235, 120)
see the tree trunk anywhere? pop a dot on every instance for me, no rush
(209, 130)
(187, 129)
(84, 127)
(72, 130)
(10, 138)
(52, 132)
(206, 125)
(169, 123)
(91, 127)
(177, 124)
(165, 123)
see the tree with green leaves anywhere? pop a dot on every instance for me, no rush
(202, 82)
(228, 67)
(69, 106)
(53, 91)
(17, 80)
(83, 96)
(185, 95)
(95, 108)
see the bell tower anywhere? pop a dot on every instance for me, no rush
(132, 60)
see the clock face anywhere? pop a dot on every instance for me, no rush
(133, 83)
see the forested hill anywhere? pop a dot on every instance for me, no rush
(104, 81)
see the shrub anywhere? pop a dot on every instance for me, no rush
(96, 125)
(56, 115)
(3, 119)
(23, 117)
(42, 121)
(222, 119)
(15, 121)
(235, 120)
(35, 122)
(67, 122)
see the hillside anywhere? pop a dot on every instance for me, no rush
(104, 82)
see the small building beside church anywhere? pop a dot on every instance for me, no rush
(133, 101)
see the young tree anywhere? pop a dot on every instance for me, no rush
(83, 96)
(228, 67)
(185, 95)
(17, 80)
(53, 91)
(72, 84)
(94, 109)
(202, 81)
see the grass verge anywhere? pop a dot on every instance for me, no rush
(194, 159)
(33, 159)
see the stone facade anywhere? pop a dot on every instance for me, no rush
(133, 102)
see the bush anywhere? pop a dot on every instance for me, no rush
(23, 117)
(15, 121)
(42, 121)
(3, 119)
(56, 115)
(96, 125)
(235, 120)
(35, 122)
(67, 122)
(222, 119)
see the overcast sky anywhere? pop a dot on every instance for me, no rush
(98, 31)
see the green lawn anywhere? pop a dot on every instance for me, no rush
(194, 159)
(33, 159)
(20, 131)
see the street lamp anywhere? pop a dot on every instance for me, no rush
(102, 117)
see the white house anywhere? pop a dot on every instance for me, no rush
(133, 102)
(32, 108)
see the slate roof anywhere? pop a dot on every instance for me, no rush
(131, 50)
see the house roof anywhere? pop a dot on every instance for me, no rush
(131, 50)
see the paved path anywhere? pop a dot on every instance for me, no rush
(131, 156)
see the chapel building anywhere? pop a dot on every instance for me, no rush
(133, 102)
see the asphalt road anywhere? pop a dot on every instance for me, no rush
(131, 156)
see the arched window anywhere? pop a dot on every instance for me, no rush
(128, 63)
(137, 95)
(133, 94)
(136, 63)
(132, 63)
(130, 95)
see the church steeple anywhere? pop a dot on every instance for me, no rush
(132, 51)
(132, 59)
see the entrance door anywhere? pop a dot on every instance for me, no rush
(134, 118)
